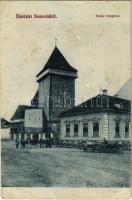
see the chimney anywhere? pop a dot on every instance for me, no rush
(104, 92)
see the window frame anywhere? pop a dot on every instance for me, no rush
(76, 133)
(96, 133)
(85, 133)
(117, 129)
(127, 132)
(68, 132)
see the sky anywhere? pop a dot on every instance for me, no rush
(98, 47)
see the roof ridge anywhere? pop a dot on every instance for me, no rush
(86, 106)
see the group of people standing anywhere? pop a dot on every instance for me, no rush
(36, 143)
(21, 143)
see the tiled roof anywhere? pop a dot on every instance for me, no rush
(100, 103)
(20, 112)
(57, 61)
(4, 122)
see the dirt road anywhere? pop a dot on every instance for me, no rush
(61, 167)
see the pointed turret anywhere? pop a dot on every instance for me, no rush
(57, 63)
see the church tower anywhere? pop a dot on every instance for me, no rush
(56, 87)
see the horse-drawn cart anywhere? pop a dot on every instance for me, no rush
(103, 147)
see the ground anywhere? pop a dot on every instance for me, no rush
(62, 167)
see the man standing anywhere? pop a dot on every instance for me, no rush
(17, 143)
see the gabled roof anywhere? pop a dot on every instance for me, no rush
(20, 112)
(57, 61)
(100, 103)
(4, 123)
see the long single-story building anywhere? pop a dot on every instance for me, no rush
(100, 117)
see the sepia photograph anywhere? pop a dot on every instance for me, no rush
(66, 95)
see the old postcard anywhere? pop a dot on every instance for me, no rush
(66, 100)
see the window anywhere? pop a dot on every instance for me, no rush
(54, 128)
(117, 129)
(85, 129)
(126, 129)
(76, 130)
(67, 130)
(95, 129)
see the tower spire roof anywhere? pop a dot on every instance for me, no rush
(55, 42)
(57, 61)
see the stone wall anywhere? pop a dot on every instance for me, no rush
(62, 95)
(56, 94)
(44, 95)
